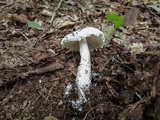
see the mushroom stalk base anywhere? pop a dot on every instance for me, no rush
(83, 79)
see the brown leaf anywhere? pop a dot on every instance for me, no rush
(130, 17)
(9, 2)
(157, 32)
(48, 67)
(38, 55)
(50, 117)
(19, 18)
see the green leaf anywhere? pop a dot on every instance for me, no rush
(117, 20)
(33, 25)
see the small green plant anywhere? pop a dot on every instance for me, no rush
(115, 19)
(34, 25)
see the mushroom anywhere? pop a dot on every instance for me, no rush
(84, 41)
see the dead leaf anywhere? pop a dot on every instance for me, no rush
(47, 13)
(50, 117)
(39, 55)
(60, 102)
(155, 7)
(135, 2)
(19, 18)
(9, 2)
(66, 24)
(157, 32)
(48, 67)
(70, 2)
(89, 4)
(108, 33)
(137, 48)
(130, 18)
(63, 23)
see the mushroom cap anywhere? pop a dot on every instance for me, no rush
(93, 36)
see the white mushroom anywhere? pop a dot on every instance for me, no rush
(84, 41)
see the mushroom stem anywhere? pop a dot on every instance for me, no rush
(83, 79)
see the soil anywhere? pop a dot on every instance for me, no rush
(35, 70)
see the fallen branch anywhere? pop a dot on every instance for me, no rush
(54, 12)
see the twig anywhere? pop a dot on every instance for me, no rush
(49, 93)
(9, 96)
(111, 90)
(24, 36)
(46, 2)
(85, 117)
(9, 4)
(54, 12)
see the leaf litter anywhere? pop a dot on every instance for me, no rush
(35, 71)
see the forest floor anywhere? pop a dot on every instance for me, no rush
(35, 70)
